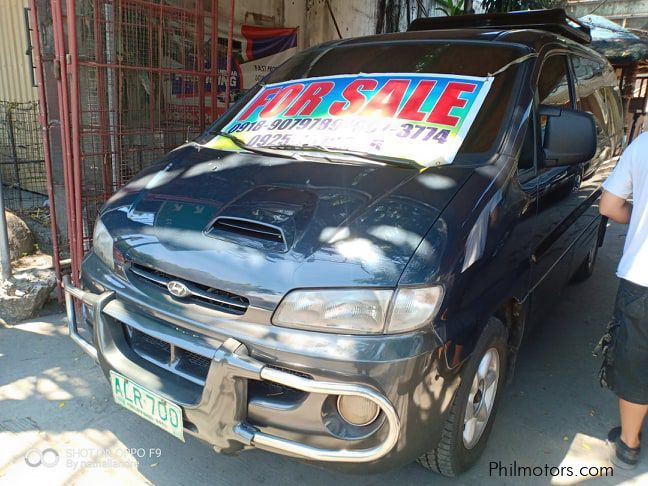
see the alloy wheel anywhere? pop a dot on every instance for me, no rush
(481, 398)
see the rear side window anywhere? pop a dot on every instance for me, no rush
(613, 102)
(591, 87)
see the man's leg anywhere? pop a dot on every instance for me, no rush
(632, 418)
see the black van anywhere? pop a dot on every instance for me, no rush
(342, 267)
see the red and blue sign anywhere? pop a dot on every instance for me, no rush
(423, 117)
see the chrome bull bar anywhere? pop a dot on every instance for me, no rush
(238, 358)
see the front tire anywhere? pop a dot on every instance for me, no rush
(471, 415)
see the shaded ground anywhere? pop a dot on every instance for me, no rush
(554, 413)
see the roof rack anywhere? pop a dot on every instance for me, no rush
(553, 20)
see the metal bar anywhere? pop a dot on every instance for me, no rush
(337, 27)
(76, 141)
(60, 65)
(160, 57)
(73, 328)
(25, 161)
(118, 15)
(273, 442)
(14, 153)
(5, 258)
(30, 47)
(230, 35)
(43, 121)
(214, 60)
(101, 102)
(151, 97)
(199, 44)
(149, 5)
(151, 69)
(110, 79)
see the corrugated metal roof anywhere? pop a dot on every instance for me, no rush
(15, 69)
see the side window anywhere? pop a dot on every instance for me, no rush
(591, 92)
(553, 83)
(613, 102)
(553, 86)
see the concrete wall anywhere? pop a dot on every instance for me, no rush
(357, 18)
(629, 13)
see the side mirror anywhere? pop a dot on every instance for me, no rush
(569, 136)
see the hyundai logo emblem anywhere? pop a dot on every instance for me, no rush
(178, 289)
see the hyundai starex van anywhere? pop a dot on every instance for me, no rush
(341, 269)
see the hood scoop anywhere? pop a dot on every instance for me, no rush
(271, 218)
(250, 229)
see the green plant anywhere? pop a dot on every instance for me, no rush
(449, 7)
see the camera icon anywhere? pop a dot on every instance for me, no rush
(47, 457)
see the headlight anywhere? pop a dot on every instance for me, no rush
(359, 311)
(102, 244)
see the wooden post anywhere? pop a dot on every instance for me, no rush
(627, 91)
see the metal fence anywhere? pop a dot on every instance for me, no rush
(135, 78)
(22, 163)
(141, 78)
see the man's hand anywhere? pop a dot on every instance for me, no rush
(615, 208)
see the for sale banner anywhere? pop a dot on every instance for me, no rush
(422, 117)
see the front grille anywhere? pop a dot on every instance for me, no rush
(202, 294)
(197, 360)
(192, 366)
(195, 367)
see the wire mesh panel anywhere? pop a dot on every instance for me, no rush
(22, 163)
(144, 87)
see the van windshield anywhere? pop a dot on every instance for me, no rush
(432, 103)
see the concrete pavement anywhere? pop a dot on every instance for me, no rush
(52, 396)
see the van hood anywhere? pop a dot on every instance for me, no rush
(260, 226)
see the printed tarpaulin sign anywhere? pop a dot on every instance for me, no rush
(422, 117)
(267, 41)
(265, 49)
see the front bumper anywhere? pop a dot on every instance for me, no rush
(219, 417)
(407, 373)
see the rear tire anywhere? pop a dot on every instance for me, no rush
(468, 423)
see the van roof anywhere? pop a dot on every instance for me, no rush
(531, 38)
(553, 20)
(529, 29)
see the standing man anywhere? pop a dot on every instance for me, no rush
(625, 346)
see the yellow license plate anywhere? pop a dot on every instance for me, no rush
(151, 406)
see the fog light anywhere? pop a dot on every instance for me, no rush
(357, 410)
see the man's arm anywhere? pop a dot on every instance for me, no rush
(614, 207)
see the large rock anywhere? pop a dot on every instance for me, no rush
(25, 293)
(21, 240)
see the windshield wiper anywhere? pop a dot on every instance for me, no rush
(377, 158)
(257, 150)
(290, 151)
